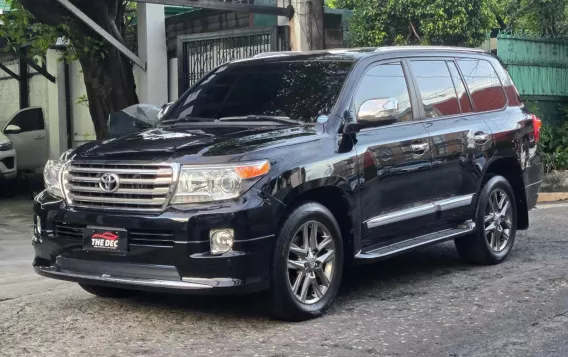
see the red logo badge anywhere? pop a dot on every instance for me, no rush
(105, 235)
(106, 240)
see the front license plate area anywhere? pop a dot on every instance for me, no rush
(110, 240)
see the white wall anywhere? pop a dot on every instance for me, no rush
(173, 80)
(83, 128)
(9, 93)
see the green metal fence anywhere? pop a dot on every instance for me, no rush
(539, 68)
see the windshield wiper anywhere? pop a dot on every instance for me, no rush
(189, 119)
(276, 119)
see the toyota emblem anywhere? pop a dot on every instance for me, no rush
(109, 183)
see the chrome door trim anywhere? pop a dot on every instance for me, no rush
(454, 202)
(401, 215)
(419, 211)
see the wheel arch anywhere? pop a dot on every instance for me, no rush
(510, 169)
(338, 197)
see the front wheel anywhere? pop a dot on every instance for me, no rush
(496, 222)
(307, 265)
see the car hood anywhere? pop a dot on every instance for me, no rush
(210, 144)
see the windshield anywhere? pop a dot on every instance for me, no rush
(300, 90)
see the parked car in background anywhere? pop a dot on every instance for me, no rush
(27, 132)
(278, 171)
(8, 166)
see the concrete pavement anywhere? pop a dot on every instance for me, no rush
(424, 303)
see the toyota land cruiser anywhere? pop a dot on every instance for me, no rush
(277, 171)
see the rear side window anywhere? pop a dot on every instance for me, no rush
(465, 103)
(484, 85)
(436, 88)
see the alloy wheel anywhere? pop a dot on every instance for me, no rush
(311, 262)
(498, 220)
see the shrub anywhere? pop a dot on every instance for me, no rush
(554, 146)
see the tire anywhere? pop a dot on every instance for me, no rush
(107, 292)
(286, 304)
(482, 247)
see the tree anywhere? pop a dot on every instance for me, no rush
(539, 17)
(108, 75)
(425, 22)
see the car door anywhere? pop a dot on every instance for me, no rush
(460, 139)
(26, 131)
(394, 157)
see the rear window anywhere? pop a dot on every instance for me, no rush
(484, 85)
(301, 90)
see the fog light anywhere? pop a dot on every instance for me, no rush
(221, 241)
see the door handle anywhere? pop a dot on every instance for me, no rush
(420, 147)
(481, 138)
(39, 137)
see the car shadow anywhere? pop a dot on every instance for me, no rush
(389, 279)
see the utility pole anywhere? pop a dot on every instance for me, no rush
(306, 27)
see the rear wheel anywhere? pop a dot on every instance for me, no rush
(496, 221)
(107, 292)
(307, 264)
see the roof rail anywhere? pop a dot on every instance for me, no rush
(435, 48)
(273, 54)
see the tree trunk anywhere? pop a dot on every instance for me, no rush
(109, 77)
(110, 87)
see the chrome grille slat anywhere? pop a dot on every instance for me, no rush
(142, 186)
(159, 172)
(138, 201)
(159, 191)
(140, 181)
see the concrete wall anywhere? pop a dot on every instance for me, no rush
(9, 94)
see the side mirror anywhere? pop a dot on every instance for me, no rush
(378, 112)
(12, 129)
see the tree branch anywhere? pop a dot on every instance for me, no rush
(414, 31)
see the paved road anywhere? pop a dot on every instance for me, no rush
(425, 303)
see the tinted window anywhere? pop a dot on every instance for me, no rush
(436, 88)
(384, 82)
(483, 84)
(29, 120)
(465, 103)
(300, 90)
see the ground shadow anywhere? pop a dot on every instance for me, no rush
(359, 282)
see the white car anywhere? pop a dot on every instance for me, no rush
(23, 145)
(8, 164)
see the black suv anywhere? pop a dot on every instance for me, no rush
(278, 171)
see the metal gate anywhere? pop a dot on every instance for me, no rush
(199, 54)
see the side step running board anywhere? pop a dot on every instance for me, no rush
(393, 249)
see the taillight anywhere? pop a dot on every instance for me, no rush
(537, 124)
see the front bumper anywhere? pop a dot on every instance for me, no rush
(8, 165)
(174, 254)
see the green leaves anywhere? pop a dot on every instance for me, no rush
(553, 145)
(436, 22)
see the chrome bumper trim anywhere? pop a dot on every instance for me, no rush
(53, 272)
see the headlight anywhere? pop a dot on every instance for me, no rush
(52, 177)
(217, 183)
(6, 146)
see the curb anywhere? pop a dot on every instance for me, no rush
(549, 197)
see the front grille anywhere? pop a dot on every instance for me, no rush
(152, 238)
(136, 237)
(141, 187)
(69, 231)
(8, 162)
